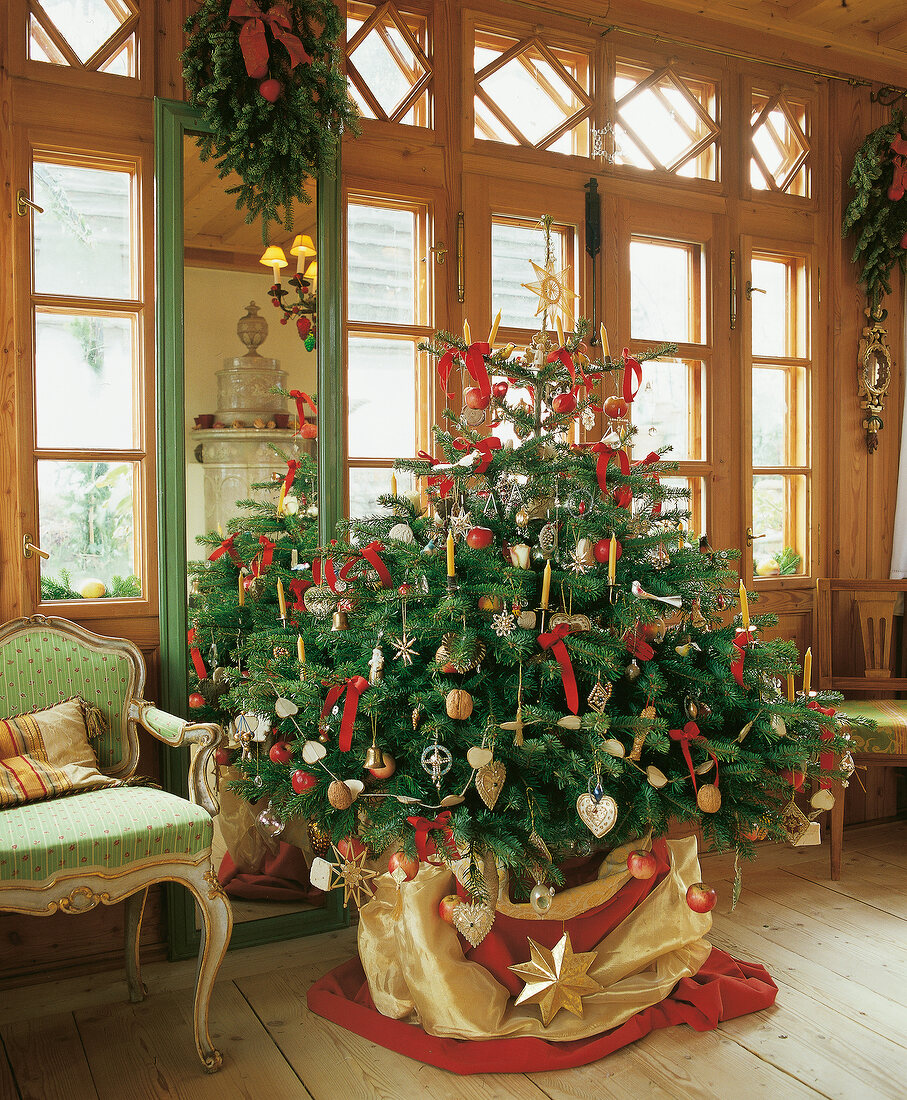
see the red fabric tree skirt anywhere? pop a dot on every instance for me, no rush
(281, 877)
(723, 988)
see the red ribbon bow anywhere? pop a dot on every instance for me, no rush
(826, 759)
(354, 687)
(688, 734)
(606, 455)
(370, 554)
(632, 377)
(554, 640)
(636, 644)
(227, 547)
(561, 354)
(197, 663)
(292, 467)
(425, 845)
(741, 639)
(485, 447)
(267, 554)
(444, 484)
(254, 42)
(303, 399)
(650, 460)
(297, 588)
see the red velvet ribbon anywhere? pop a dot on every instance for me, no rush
(425, 844)
(554, 640)
(292, 466)
(325, 573)
(302, 399)
(475, 364)
(259, 565)
(485, 447)
(297, 589)
(227, 547)
(688, 734)
(354, 687)
(254, 42)
(370, 554)
(650, 460)
(444, 484)
(826, 759)
(606, 455)
(564, 356)
(197, 663)
(445, 366)
(637, 645)
(632, 374)
(741, 639)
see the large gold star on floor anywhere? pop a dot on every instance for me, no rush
(556, 979)
(553, 290)
(351, 873)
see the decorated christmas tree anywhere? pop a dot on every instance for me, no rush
(534, 660)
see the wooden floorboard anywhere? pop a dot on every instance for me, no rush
(836, 950)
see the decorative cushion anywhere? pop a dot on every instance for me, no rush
(47, 754)
(107, 830)
(890, 733)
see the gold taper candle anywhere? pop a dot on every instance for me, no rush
(612, 559)
(393, 485)
(494, 328)
(790, 689)
(744, 607)
(807, 670)
(281, 498)
(603, 336)
(281, 599)
(242, 589)
(560, 332)
(466, 333)
(300, 649)
(451, 572)
(546, 585)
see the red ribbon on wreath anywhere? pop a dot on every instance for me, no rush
(688, 734)
(354, 687)
(253, 41)
(606, 455)
(554, 640)
(826, 759)
(425, 844)
(227, 547)
(197, 663)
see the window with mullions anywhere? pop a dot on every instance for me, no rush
(389, 64)
(89, 35)
(780, 149)
(780, 414)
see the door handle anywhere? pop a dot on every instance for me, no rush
(750, 536)
(29, 548)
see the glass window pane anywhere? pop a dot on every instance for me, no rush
(780, 513)
(770, 417)
(83, 240)
(771, 309)
(382, 390)
(381, 277)
(664, 293)
(513, 246)
(86, 24)
(695, 486)
(87, 522)
(668, 409)
(368, 483)
(84, 380)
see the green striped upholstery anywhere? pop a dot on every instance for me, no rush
(890, 733)
(108, 830)
(42, 667)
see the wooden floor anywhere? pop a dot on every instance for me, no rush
(838, 952)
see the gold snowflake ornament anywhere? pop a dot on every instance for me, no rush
(351, 873)
(553, 290)
(556, 979)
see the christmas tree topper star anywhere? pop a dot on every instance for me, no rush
(553, 290)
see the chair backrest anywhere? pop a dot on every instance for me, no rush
(44, 661)
(856, 623)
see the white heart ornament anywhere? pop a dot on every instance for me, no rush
(313, 751)
(477, 757)
(320, 873)
(473, 921)
(356, 787)
(599, 817)
(284, 708)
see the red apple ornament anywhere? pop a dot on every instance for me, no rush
(409, 865)
(302, 781)
(602, 549)
(223, 757)
(196, 700)
(564, 402)
(350, 847)
(615, 408)
(641, 864)
(447, 905)
(479, 537)
(270, 89)
(701, 898)
(280, 752)
(499, 389)
(475, 399)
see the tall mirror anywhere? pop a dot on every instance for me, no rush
(224, 431)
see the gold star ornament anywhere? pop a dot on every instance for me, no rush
(553, 290)
(556, 979)
(351, 873)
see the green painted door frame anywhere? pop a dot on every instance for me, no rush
(172, 121)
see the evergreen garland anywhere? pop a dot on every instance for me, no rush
(272, 147)
(879, 221)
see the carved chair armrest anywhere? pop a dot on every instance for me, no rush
(175, 732)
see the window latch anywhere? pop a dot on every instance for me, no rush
(439, 251)
(749, 290)
(29, 548)
(24, 204)
(750, 536)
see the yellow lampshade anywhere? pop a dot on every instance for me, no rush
(274, 258)
(311, 273)
(303, 246)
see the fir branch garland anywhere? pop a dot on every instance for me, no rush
(272, 147)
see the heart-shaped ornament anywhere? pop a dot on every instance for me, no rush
(490, 781)
(473, 920)
(477, 757)
(575, 622)
(598, 817)
(320, 873)
(356, 787)
(656, 777)
(284, 708)
(313, 751)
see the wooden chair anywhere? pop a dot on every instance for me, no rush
(71, 853)
(856, 620)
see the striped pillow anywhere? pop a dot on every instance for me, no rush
(47, 754)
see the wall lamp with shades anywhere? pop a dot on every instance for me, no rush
(304, 283)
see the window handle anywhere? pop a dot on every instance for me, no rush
(29, 548)
(733, 266)
(439, 251)
(750, 536)
(750, 290)
(24, 204)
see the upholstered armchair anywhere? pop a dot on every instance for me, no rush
(101, 846)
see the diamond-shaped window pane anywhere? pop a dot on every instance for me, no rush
(780, 146)
(86, 24)
(41, 46)
(666, 121)
(389, 63)
(122, 63)
(388, 77)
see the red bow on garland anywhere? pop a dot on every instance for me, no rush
(554, 640)
(227, 547)
(371, 555)
(444, 484)
(741, 640)
(826, 759)
(607, 454)
(354, 687)
(425, 845)
(260, 564)
(253, 41)
(689, 733)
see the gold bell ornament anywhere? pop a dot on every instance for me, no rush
(338, 621)
(374, 757)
